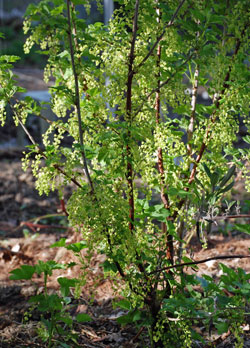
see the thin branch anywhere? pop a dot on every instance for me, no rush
(132, 47)
(56, 166)
(163, 83)
(26, 130)
(170, 23)
(170, 77)
(59, 126)
(77, 99)
(225, 217)
(179, 265)
(74, 32)
(190, 129)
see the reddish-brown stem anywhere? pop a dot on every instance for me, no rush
(225, 217)
(164, 196)
(63, 207)
(170, 23)
(129, 173)
(169, 79)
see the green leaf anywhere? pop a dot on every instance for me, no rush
(227, 188)
(83, 317)
(222, 327)
(48, 266)
(247, 139)
(228, 176)
(57, 10)
(109, 266)
(24, 272)
(65, 284)
(76, 247)
(60, 243)
(132, 316)
(207, 170)
(187, 259)
(243, 228)
(124, 304)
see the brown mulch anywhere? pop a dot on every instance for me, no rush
(19, 202)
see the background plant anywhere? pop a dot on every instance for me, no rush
(56, 322)
(145, 179)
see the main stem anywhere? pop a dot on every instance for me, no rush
(129, 173)
(77, 99)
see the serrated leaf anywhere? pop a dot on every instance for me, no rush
(66, 284)
(48, 267)
(24, 272)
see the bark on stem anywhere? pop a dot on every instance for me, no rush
(77, 99)
(129, 173)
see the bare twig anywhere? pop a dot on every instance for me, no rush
(179, 265)
(225, 217)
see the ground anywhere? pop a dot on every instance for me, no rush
(29, 224)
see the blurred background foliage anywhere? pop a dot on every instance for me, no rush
(11, 23)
